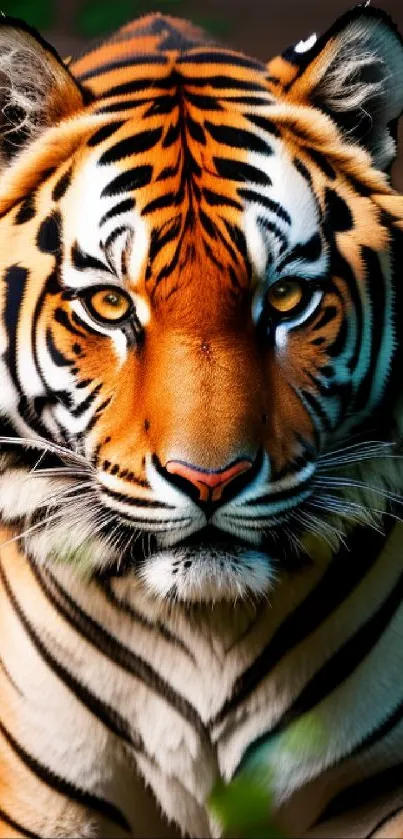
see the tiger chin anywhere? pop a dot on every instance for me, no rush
(200, 430)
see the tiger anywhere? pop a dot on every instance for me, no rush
(201, 433)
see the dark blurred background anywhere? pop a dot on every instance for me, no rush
(259, 27)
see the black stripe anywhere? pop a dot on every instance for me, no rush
(57, 357)
(161, 236)
(309, 251)
(238, 138)
(321, 162)
(104, 132)
(82, 261)
(196, 131)
(359, 794)
(162, 105)
(113, 649)
(172, 135)
(24, 831)
(215, 199)
(274, 497)
(135, 85)
(114, 234)
(376, 290)
(339, 580)
(141, 142)
(259, 101)
(15, 280)
(86, 403)
(385, 820)
(327, 314)
(26, 210)
(133, 61)
(229, 58)
(170, 171)
(9, 677)
(228, 247)
(158, 626)
(121, 105)
(137, 502)
(62, 185)
(264, 123)
(339, 667)
(61, 316)
(226, 82)
(63, 786)
(317, 409)
(238, 239)
(169, 199)
(103, 711)
(303, 170)
(48, 237)
(122, 207)
(381, 731)
(203, 103)
(271, 205)
(134, 178)
(237, 170)
(272, 227)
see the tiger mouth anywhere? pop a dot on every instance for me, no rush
(209, 543)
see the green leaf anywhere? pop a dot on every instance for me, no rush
(242, 808)
(308, 735)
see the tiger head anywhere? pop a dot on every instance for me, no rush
(199, 299)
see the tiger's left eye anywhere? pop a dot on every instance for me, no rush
(110, 305)
(285, 296)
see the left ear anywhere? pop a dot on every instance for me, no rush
(37, 90)
(355, 74)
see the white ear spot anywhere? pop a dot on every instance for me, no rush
(305, 46)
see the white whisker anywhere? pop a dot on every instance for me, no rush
(46, 446)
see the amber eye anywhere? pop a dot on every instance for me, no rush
(110, 305)
(285, 296)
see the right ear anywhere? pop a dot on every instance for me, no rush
(37, 90)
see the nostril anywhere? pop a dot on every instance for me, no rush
(209, 484)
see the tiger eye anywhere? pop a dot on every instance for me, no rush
(285, 295)
(110, 304)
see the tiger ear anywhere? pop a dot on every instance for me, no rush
(355, 74)
(36, 88)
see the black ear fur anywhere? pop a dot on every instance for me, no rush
(354, 72)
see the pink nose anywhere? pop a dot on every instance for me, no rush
(210, 485)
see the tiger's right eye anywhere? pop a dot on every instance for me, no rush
(109, 305)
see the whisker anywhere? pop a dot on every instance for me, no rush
(46, 446)
(62, 472)
(344, 507)
(335, 483)
(32, 528)
(368, 445)
(52, 500)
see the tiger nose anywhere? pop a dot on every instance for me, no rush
(209, 484)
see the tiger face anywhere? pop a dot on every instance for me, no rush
(198, 297)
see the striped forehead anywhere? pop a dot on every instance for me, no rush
(144, 181)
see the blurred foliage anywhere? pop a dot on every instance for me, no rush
(242, 808)
(97, 17)
(40, 13)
